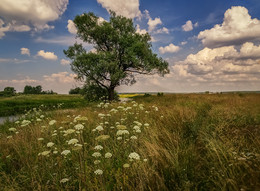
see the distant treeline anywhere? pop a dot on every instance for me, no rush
(10, 91)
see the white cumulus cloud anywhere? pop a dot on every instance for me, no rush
(152, 23)
(61, 77)
(237, 28)
(24, 15)
(71, 27)
(222, 64)
(188, 26)
(171, 48)
(25, 51)
(140, 31)
(47, 55)
(64, 62)
(129, 8)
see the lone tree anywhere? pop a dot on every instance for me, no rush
(119, 53)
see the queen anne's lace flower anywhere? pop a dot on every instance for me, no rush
(133, 137)
(96, 154)
(122, 132)
(99, 128)
(98, 172)
(108, 155)
(52, 122)
(64, 180)
(45, 153)
(73, 141)
(79, 127)
(50, 144)
(65, 152)
(134, 155)
(12, 129)
(98, 147)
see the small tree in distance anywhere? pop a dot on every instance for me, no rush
(120, 53)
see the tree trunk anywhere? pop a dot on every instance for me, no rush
(111, 93)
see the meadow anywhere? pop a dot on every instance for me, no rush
(21, 103)
(169, 142)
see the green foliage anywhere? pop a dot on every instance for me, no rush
(21, 103)
(95, 93)
(120, 52)
(8, 92)
(146, 95)
(159, 94)
(36, 90)
(76, 90)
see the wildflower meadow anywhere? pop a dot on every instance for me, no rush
(169, 142)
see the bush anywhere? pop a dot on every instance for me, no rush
(160, 94)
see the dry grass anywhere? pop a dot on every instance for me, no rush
(194, 142)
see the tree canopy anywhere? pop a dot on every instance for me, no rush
(119, 52)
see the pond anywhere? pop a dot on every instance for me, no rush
(10, 118)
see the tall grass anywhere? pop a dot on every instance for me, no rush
(22, 103)
(185, 142)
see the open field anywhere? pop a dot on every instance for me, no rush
(171, 142)
(21, 103)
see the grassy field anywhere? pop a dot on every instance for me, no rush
(171, 142)
(21, 103)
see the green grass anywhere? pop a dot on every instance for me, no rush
(193, 142)
(21, 103)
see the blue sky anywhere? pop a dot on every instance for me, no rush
(210, 45)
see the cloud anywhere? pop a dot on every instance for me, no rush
(71, 27)
(128, 8)
(152, 23)
(13, 26)
(223, 64)
(13, 60)
(183, 42)
(64, 62)
(47, 55)
(171, 48)
(162, 30)
(25, 51)
(62, 77)
(237, 28)
(140, 31)
(188, 26)
(26, 15)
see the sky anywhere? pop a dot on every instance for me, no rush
(210, 45)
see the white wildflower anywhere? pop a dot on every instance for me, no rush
(52, 122)
(12, 129)
(98, 147)
(108, 155)
(98, 172)
(122, 132)
(50, 144)
(64, 180)
(97, 162)
(73, 141)
(45, 153)
(96, 154)
(126, 165)
(119, 138)
(79, 127)
(99, 128)
(133, 137)
(40, 139)
(65, 152)
(134, 155)
(138, 131)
